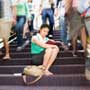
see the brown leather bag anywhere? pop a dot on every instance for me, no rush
(32, 70)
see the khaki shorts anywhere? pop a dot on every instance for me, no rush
(5, 27)
(76, 24)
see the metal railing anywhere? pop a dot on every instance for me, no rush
(11, 39)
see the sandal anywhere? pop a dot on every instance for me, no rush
(6, 58)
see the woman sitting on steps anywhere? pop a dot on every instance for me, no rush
(43, 53)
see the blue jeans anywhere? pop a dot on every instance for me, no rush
(63, 30)
(48, 13)
(30, 24)
(19, 29)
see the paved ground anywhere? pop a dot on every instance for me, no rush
(42, 88)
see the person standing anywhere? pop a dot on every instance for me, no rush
(5, 24)
(47, 12)
(20, 14)
(31, 11)
(84, 9)
(77, 27)
(28, 27)
(60, 9)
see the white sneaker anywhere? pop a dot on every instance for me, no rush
(19, 48)
(50, 36)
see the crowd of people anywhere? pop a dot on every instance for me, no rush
(23, 15)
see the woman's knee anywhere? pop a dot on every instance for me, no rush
(48, 50)
(56, 49)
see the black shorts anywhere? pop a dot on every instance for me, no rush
(37, 59)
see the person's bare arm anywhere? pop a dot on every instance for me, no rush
(44, 45)
(68, 4)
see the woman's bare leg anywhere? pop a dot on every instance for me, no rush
(83, 38)
(25, 29)
(47, 56)
(50, 56)
(74, 45)
(7, 53)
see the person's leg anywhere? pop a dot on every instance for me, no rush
(44, 16)
(87, 24)
(49, 58)
(25, 30)
(30, 24)
(74, 44)
(63, 30)
(51, 21)
(5, 32)
(7, 53)
(19, 30)
(83, 38)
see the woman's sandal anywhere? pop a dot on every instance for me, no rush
(6, 58)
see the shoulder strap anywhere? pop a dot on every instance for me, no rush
(32, 82)
(84, 13)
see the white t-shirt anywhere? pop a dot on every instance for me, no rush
(38, 36)
(61, 7)
(45, 4)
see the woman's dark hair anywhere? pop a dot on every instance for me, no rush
(44, 26)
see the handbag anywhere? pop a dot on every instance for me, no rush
(33, 70)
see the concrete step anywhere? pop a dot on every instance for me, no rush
(68, 70)
(57, 69)
(55, 80)
(13, 87)
(26, 61)
(26, 51)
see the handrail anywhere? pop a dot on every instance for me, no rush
(11, 39)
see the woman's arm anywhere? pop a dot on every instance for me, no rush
(44, 45)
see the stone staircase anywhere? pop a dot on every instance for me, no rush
(69, 70)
